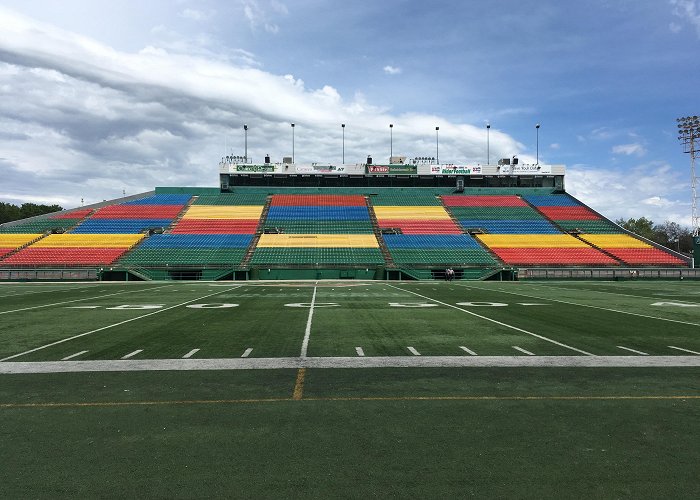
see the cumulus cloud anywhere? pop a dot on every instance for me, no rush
(391, 70)
(654, 190)
(90, 121)
(629, 149)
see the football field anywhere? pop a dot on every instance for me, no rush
(317, 389)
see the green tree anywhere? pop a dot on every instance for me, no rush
(642, 226)
(10, 212)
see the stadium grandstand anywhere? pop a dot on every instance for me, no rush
(401, 220)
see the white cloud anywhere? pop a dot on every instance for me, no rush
(675, 27)
(629, 149)
(92, 120)
(391, 70)
(688, 10)
(258, 14)
(653, 190)
(554, 146)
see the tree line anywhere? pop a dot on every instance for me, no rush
(10, 212)
(669, 234)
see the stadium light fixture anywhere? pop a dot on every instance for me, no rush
(391, 141)
(537, 127)
(343, 126)
(688, 134)
(245, 131)
(292, 144)
(437, 145)
(488, 145)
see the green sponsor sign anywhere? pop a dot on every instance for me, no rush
(255, 168)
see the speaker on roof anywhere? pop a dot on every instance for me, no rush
(369, 160)
(267, 159)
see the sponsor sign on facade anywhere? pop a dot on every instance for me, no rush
(392, 169)
(255, 168)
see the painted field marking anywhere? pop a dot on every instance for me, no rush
(359, 351)
(83, 307)
(80, 300)
(469, 351)
(190, 354)
(111, 326)
(632, 350)
(523, 350)
(307, 332)
(413, 351)
(547, 286)
(299, 385)
(73, 355)
(181, 402)
(541, 337)
(247, 352)
(684, 350)
(583, 305)
(132, 354)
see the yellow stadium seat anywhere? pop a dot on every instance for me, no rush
(614, 241)
(318, 241)
(531, 241)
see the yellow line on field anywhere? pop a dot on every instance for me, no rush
(299, 385)
(341, 398)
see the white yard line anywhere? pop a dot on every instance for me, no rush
(80, 300)
(633, 350)
(346, 362)
(500, 290)
(684, 350)
(523, 350)
(307, 332)
(359, 351)
(541, 337)
(73, 355)
(413, 351)
(131, 354)
(247, 352)
(190, 354)
(468, 351)
(550, 287)
(113, 325)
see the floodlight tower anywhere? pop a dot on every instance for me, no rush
(688, 134)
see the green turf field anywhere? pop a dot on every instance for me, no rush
(344, 389)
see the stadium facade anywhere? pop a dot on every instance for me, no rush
(401, 220)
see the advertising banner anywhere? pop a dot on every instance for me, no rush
(256, 169)
(392, 169)
(459, 169)
(320, 169)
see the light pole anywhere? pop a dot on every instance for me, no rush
(391, 141)
(688, 134)
(245, 131)
(488, 145)
(292, 144)
(437, 145)
(343, 125)
(537, 127)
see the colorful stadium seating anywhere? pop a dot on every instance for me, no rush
(631, 250)
(74, 249)
(416, 229)
(318, 229)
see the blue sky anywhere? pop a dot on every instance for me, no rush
(104, 97)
